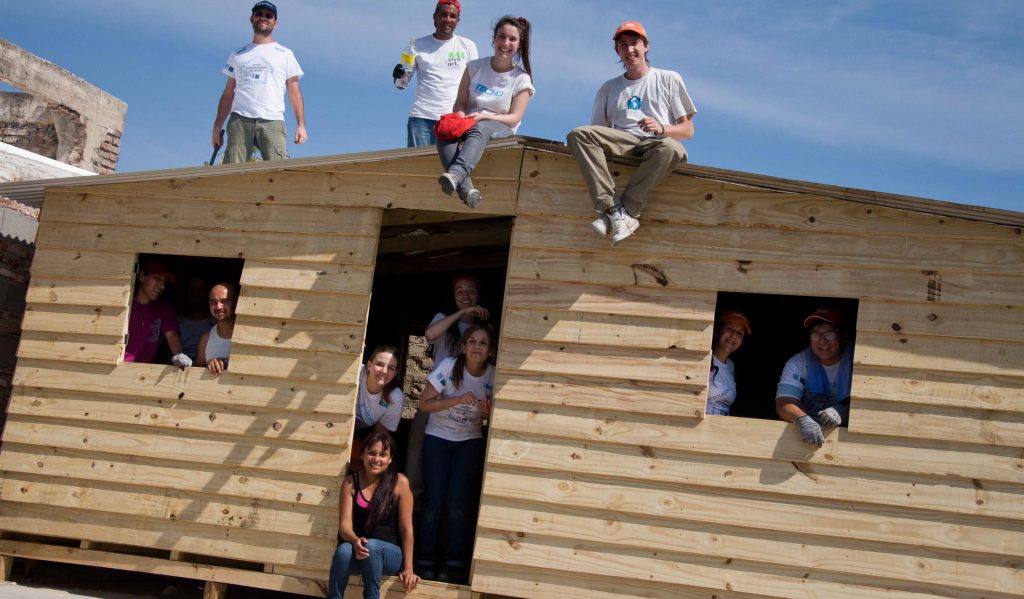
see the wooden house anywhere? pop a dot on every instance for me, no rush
(604, 479)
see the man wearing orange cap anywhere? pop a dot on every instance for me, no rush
(643, 113)
(439, 61)
(814, 389)
(152, 319)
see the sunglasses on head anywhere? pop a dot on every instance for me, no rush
(262, 14)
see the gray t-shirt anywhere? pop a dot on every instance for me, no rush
(659, 94)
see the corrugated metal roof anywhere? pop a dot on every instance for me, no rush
(31, 192)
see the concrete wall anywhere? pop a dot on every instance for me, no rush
(58, 115)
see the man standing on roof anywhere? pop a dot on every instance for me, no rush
(258, 75)
(440, 60)
(643, 113)
(814, 389)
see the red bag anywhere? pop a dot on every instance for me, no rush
(451, 126)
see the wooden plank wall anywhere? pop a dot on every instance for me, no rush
(605, 480)
(243, 466)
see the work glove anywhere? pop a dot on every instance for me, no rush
(810, 431)
(830, 417)
(181, 361)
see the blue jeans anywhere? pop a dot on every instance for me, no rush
(420, 132)
(451, 478)
(384, 559)
(461, 161)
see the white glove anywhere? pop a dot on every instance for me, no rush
(810, 431)
(830, 417)
(181, 361)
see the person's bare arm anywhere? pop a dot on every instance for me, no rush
(295, 97)
(223, 108)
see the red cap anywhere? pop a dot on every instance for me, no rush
(451, 126)
(633, 26)
(829, 315)
(455, 2)
(156, 266)
(737, 318)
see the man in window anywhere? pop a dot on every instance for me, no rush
(153, 319)
(814, 389)
(215, 346)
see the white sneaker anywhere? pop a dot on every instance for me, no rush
(448, 183)
(623, 225)
(600, 225)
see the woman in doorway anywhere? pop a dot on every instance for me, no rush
(731, 328)
(380, 401)
(495, 92)
(458, 398)
(374, 523)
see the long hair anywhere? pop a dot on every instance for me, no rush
(393, 384)
(523, 26)
(459, 369)
(384, 497)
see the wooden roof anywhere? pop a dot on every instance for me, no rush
(31, 192)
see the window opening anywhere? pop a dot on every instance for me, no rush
(777, 333)
(181, 297)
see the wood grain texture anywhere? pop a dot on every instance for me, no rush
(130, 471)
(213, 242)
(623, 269)
(872, 564)
(101, 293)
(762, 244)
(192, 385)
(939, 423)
(103, 321)
(937, 388)
(268, 455)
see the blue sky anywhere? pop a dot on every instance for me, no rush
(920, 98)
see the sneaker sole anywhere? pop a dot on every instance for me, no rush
(447, 184)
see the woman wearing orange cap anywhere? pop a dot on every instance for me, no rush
(731, 328)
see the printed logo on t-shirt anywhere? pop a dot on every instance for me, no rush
(635, 103)
(456, 58)
(483, 90)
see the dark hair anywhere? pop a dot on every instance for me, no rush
(453, 337)
(459, 369)
(523, 26)
(393, 384)
(384, 497)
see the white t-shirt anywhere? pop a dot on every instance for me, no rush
(217, 346)
(440, 348)
(371, 407)
(438, 70)
(721, 387)
(260, 72)
(461, 422)
(491, 92)
(660, 94)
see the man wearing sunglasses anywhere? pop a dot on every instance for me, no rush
(814, 389)
(258, 74)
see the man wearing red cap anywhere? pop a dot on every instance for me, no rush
(814, 389)
(643, 113)
(152, 319)
(440, 60)
(258, 75)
